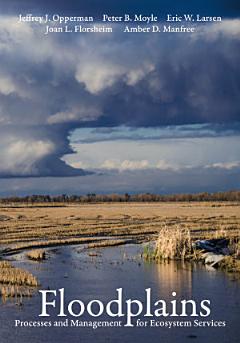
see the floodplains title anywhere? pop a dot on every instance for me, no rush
(128, 309)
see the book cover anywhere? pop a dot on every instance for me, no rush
(119, 171)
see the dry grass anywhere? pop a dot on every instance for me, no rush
(15, 282)
(15, 291)
(5, 264)
(172, 243)
(230, 264)
(176, 243)
(16, 248)
(109, 243)
(16, 276)
(36, 255)
(32, 227)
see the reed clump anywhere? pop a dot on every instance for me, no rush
(16, 276)
(13, 291)
(36, 255)
(5, 264)
(173, 243)
(219, 233)
(230, 264)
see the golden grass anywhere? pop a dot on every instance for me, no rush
(16, 276)
(13, 249)
(36, 255)
(108, 243)
(38, 227)
(15, 291)
(177, 243)
(230, 264)
(5, 264)
(15, 282)
(172, 244)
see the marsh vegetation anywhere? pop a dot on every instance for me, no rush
(178, 244)
(36, 255)
(15, 282)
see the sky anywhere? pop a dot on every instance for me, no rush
(115, 112)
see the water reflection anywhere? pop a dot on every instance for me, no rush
(175, 276)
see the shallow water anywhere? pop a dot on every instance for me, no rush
(97, 277)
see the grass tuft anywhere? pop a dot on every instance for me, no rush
(36, 255)
(172, 244)
(15, 282)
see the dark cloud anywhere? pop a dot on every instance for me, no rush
(193, 82)
(154, 133)
(51, 85)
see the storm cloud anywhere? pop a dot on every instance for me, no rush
(51, 85)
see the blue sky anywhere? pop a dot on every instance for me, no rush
(117, 112)
(167, 148)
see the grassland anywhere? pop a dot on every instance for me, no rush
(29, 227)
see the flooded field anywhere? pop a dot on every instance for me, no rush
(96, 274)
(92, 250)
(33, 226)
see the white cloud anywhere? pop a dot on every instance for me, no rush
(81, 113)
(102, 74)
(98, 76)
(21, 156)
(133, 76)
(164, 165)
(13, 33)
(125, 165)
(6, 85)
(110, 164)
(80, 164)
(9, 86)
(133, 165)
(224, 165)
(229, 28)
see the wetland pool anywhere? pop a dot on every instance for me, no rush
(96, 274)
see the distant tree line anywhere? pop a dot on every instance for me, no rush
(144, 197)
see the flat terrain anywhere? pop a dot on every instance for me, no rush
(29, 226)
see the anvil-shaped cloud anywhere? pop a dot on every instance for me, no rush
(51, 85)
